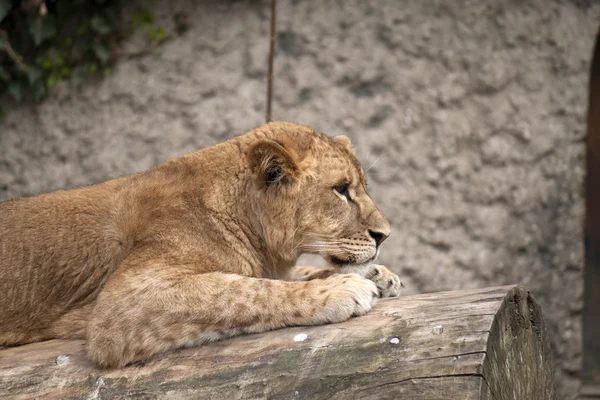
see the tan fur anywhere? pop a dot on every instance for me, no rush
(199, 248)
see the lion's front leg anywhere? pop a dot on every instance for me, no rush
(147, 310)
(387, 282)
(309, 273)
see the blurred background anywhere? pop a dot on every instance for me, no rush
(470, 114)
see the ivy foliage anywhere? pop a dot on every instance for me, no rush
(46, 42)
(43, 43)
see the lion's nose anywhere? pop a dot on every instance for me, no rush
(378, 236)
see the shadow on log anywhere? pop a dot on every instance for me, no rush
(474, 344)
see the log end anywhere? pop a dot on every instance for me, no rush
(518, 363)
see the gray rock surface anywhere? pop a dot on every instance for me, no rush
(469, 115)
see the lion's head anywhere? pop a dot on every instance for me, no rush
(313, 196)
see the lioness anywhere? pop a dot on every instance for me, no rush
(200, 248)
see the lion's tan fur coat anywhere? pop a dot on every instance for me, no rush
(199, 248)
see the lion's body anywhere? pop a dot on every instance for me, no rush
(187, 252)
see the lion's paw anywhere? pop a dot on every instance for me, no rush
(388, 283)
(345, 296)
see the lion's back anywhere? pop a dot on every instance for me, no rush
(55, 251)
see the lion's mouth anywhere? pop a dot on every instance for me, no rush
(341, 262)
(338, 261)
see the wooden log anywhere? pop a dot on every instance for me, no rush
(473, 344)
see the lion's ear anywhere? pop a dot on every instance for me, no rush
(345, 142)
(273, 163)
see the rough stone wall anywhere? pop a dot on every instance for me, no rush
(470, 115)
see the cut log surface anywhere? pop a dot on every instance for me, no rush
(473, 344)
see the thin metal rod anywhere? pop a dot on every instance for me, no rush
(271, 56)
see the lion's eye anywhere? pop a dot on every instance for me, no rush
(343, 190)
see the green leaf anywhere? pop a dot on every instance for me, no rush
(78, 76)
(102, 52)
(157, 34)
(53, 80)
(39, 90)
(100, 24)
(16, 89)
(4, 75)
(44, 62)
(65, 72)
(33, 74)
(91, 68)
(81, 29)
(143, 17)
(67, 42)
(5, 6)
(42, 28)
(59, 61)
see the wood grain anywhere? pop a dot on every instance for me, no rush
(475, 344)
